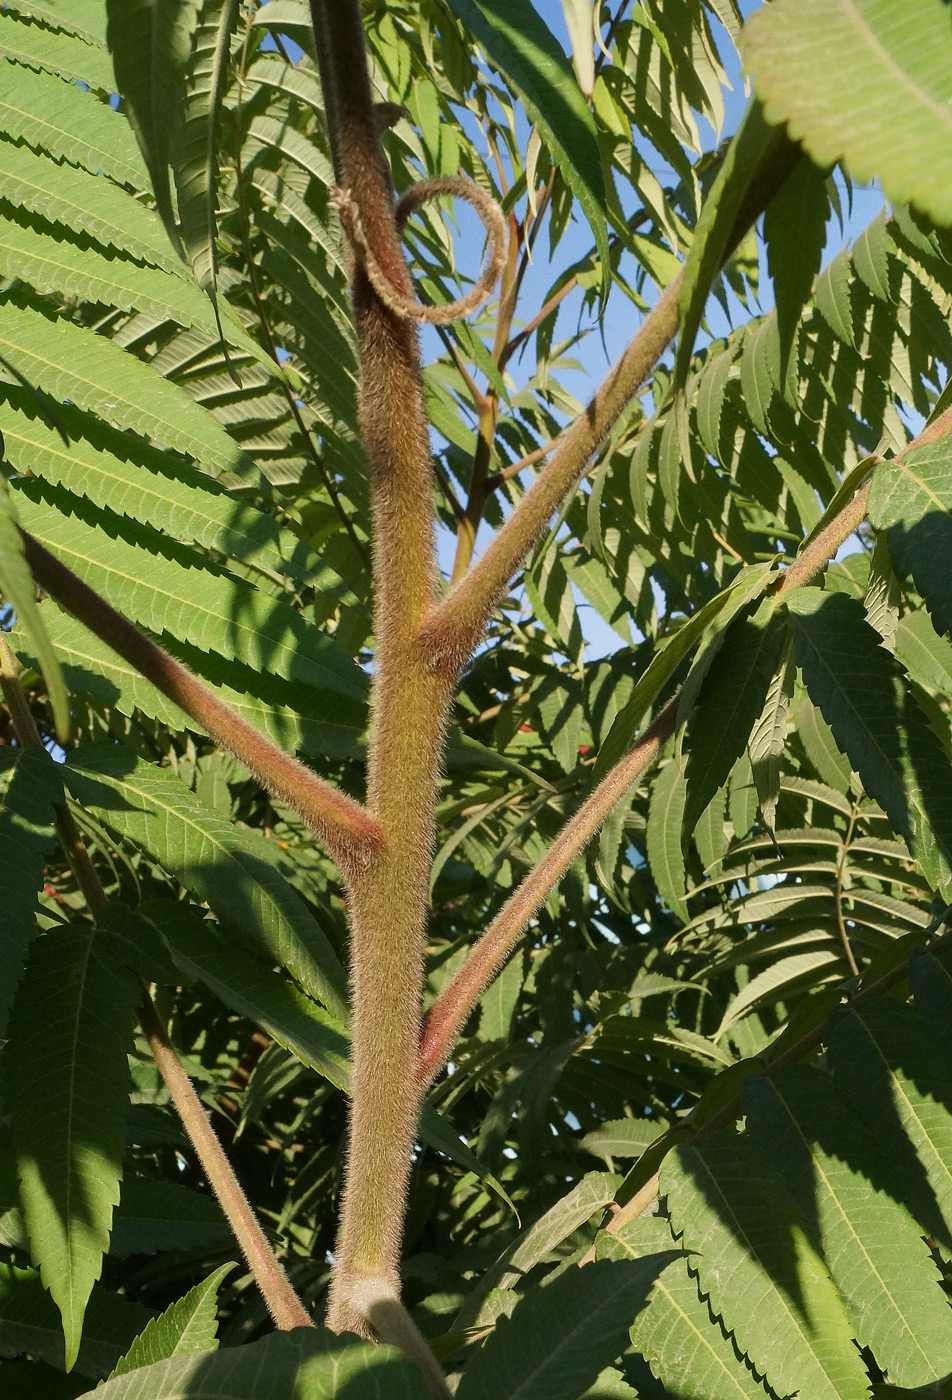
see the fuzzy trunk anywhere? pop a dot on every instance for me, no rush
(388, 899)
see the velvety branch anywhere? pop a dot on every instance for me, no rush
(346, 829)
(449, 1012)
(409, 704)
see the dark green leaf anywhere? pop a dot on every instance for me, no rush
(876, 721)
(563, 1333)
(66, 1085)
(911, 499)
(26, 840)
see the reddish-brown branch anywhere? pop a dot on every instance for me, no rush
(449, 1012)
(347, 830)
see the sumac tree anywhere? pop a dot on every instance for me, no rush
(503, 1012)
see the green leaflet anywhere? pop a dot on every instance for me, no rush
(66, 1086)
(674, 1333)
(732, 696)
(874, 1249)
(308, 1363)
(768, 736)
(248, 986)
(70, 124)
(911, 499)
(782, 976)
(26, 839)
(125, 475)
(926, 656)
(519, 42)
(233, 871)
(664, 849)
(84, 203)
(18, 589)
(150, 41)
(195, 151)
(876, 722)
(622, 1137)
(562, 1333)
(759, 159)
(747, 585)
(759, 1270)
(279, 708)
(591, 1194)
(212, 611)
(795, 233)
(56, 264)
(188, 1325)
(82, 17)
(895, 1072)
(70, 362)
(886, 111)
(72, 58)
(29, 1322)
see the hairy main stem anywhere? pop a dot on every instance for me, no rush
(388, 900)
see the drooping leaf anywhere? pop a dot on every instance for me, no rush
(66, 1085)
(562, 1334)
(759, 1270)
(519, 42)
(188, 1325)
(26, 841)
(150, 41)
(874, 1249)
(758, 161)
(233, 871)
(195, 152)
(795, 233)
(665, 851)
(876, 721)
(247, 986)
(911, 499)
(768, 736)
(18, 589)
(886, 112)
(732, 696)
(308, 1363)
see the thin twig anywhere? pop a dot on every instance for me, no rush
(283, 1304)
